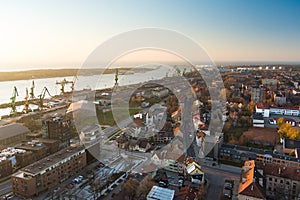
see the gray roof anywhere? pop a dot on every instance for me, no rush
(291, 144)
(12, 130)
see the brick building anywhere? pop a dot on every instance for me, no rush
(24, 158)
(57, 128)
(38, 149)
(5, 167)
(48, 172)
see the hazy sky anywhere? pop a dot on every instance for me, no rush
(63, 33)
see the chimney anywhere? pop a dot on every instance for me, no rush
(279, 171)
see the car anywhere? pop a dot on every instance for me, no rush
(228, 186)
(80, 178)
(227, 193)
(180, 183)
(162, 184)
(76, 180)
(8, 196)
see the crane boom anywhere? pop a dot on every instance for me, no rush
(42, 97)
(32, 90)
(26, 103)
(13, 100)
(63, 83)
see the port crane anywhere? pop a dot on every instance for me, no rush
(63, 83)
(73, 83)
(13, 100)
(116, 77)
(26, 103)
(41, 97)
(32, 90)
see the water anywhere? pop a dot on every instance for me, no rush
(7, 111)
(83, 82)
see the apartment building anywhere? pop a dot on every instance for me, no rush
(48, 172)
(57, 128)
(282, 182)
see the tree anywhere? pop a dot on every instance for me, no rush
(293, 133)
(287, 131)
(201, 192)
(284, 128)
(130, 188)
(280, 121)
(145, 186)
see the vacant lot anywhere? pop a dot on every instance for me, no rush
(263, 136)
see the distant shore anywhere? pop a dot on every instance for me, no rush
(52, 73)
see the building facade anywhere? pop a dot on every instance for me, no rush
(48, 172)
(282, 182)
(57, 128)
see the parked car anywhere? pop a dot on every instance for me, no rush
(180, 182)
(80, 178)
(227, 193)
(228, 186)
(162, 184)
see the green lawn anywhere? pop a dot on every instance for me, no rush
(107, 118)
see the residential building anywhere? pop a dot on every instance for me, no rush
(257, 94)
(5, 167)
(171, 161)
(269, 82)
(90, 134)
(193, 169)
(262, 108)
(48, 172)
(57, 128)
(38, 149)
(279, 99)
(249, 188)
(12, 134)
(24, 158)
(282, 182)
(290, 145)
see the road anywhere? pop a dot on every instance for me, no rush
(5, 187)
(216, 178)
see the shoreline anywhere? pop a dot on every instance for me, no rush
(53, 73)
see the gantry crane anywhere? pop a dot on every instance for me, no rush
(26, 103)
(73, 83)
(116, 77)
(63, 83)
(13, 100)
(41, 97)
(32, 90)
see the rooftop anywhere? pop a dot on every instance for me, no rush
(247, 175)
(12, 130)
(284, 172)
(291, 144)
(51, 160)
(160, 193)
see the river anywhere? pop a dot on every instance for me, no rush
(82, 82)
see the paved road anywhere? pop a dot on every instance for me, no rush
(216, 177)
(5, 187)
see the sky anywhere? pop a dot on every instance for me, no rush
(61, 33)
